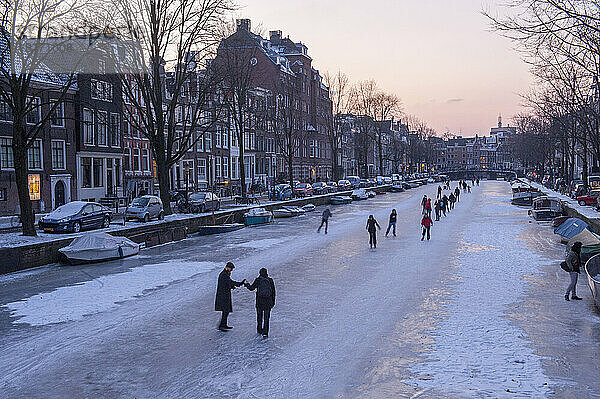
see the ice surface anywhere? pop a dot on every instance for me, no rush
(101, 294)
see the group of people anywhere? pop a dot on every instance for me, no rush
(265, 298)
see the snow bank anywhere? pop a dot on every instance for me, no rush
(587, 211)
(101, 294)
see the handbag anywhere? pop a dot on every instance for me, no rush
(564, 266)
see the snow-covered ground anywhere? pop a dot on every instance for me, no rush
(475, 312)
(587, 211)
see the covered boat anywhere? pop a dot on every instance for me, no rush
(520, 187)
(257, 216)
(219, 229)
(525, 198)
(99, 247)
(570, 228)
(340, 200)
(590, 241)
(308, 208)
(360, 194)
(546, 208)
(559, 220)
(282, 213)
(592, 270)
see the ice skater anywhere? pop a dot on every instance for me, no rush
(423, 203)
(325, 220)
(426, 222)
(457, 193)
(574, 266)
(438, 209)
(439, 195)
(372, 227)
(223, 298)
(392, 223)
(428, 207)
(265, 300)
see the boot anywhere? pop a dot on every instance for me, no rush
(576, 298)
(567, 297)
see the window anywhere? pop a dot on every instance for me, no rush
(101, 90)
(58, 154)
(115, 130)
(225, 138)
(225, 167)
(102, 127)
(118, 172)
(35, 115)
(34, 155)
(98, 172)
(200, 143)
(6, 153)
(5, 112)
(136, 159)
(127, 159)
(234, 167)
(218, 167)
(218, 138)
(57, 118)
(145, 160)
(201, 169)
(88, 126)
(208, 141)
(86, 172)
(2, 194)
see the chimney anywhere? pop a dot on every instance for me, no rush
(243, 24)
(275, 36)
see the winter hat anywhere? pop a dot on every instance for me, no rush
(263, 272)
(230, 265)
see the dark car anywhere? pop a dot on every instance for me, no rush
(406, 186)
(303, 190)
(372, 182)
(281, 192)
(76, 216)
(320, 188)
(333, 186)
(363, 183)
(201, 202)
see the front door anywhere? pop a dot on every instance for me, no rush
(109, 178)
(59, 194)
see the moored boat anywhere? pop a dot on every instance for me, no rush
(525, 198)
(257, 216)
(340, 200)
(282, 213)
(308, 208)
(99, 247)
(592, 270)
(219, 229)
(570, 228)
(546, 208)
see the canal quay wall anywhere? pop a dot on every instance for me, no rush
(26, 256)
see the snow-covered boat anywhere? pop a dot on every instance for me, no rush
(308, 208)
(288, 212)
(360, 194)
(99, 247)
(592, 270)
(257, 216)
(397, 187)
(518, 187)
(340, 200)
(219, 229)
(525, 198)
(546, 208)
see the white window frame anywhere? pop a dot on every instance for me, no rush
(64, 154)
(41, 146)
(61, 106)
(105, 125)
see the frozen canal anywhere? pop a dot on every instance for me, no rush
(478, 311)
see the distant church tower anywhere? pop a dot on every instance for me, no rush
(499, 120)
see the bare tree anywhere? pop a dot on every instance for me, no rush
(167, 44)
(28, 69)
(339, 89)
(385, 106)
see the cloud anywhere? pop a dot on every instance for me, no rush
(455, 100)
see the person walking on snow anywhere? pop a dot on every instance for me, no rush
(438, 209)
(265, 300)
(451, 200)
(325, 220)
(372, 227)
(426, 222)
(423, 203)
(392, 223)
(457, 193)
(223, 298)
(428, 207)
(574, 265)
(439, 195)
(444, 204)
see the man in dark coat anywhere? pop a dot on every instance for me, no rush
(325, 220)
(372, 227)
(223, 298)
(265, 300)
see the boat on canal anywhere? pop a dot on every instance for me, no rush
(592, 270)
(257, 216)
(525, 198)
(98, 247)
(340, 200)
(219, 229)
(546, 208)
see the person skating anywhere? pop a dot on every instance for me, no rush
(451, 200)
(439, 195)
(457, 193)
(423, 203)
(265, 300)
(325, 220)
(223, 298)
(426, 222)
(372, 227)
(438, 209)
(392, 223)
(428, 207)
(445, 204)
(573, 261)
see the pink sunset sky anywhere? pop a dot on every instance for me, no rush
(438, 56)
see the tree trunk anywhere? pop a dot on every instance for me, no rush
(380, 152)
(244, 192)
(21, 177)
(164, 185)
(291, 168)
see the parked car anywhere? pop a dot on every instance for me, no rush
(76, 216)
(333, 186)
(387, 180)
(363, 183)
(200, 202)
(372, 182)
(406, 186)
(396, 177)
(145, 208)
(320, 188)
(431, 180)
(344, 185)
(379, 180)
(281, 192)
(303, 190)
(590, 198)
(354, 180)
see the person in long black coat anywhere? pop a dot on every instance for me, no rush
(223, 298)
(372, 227)
(265, 300)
